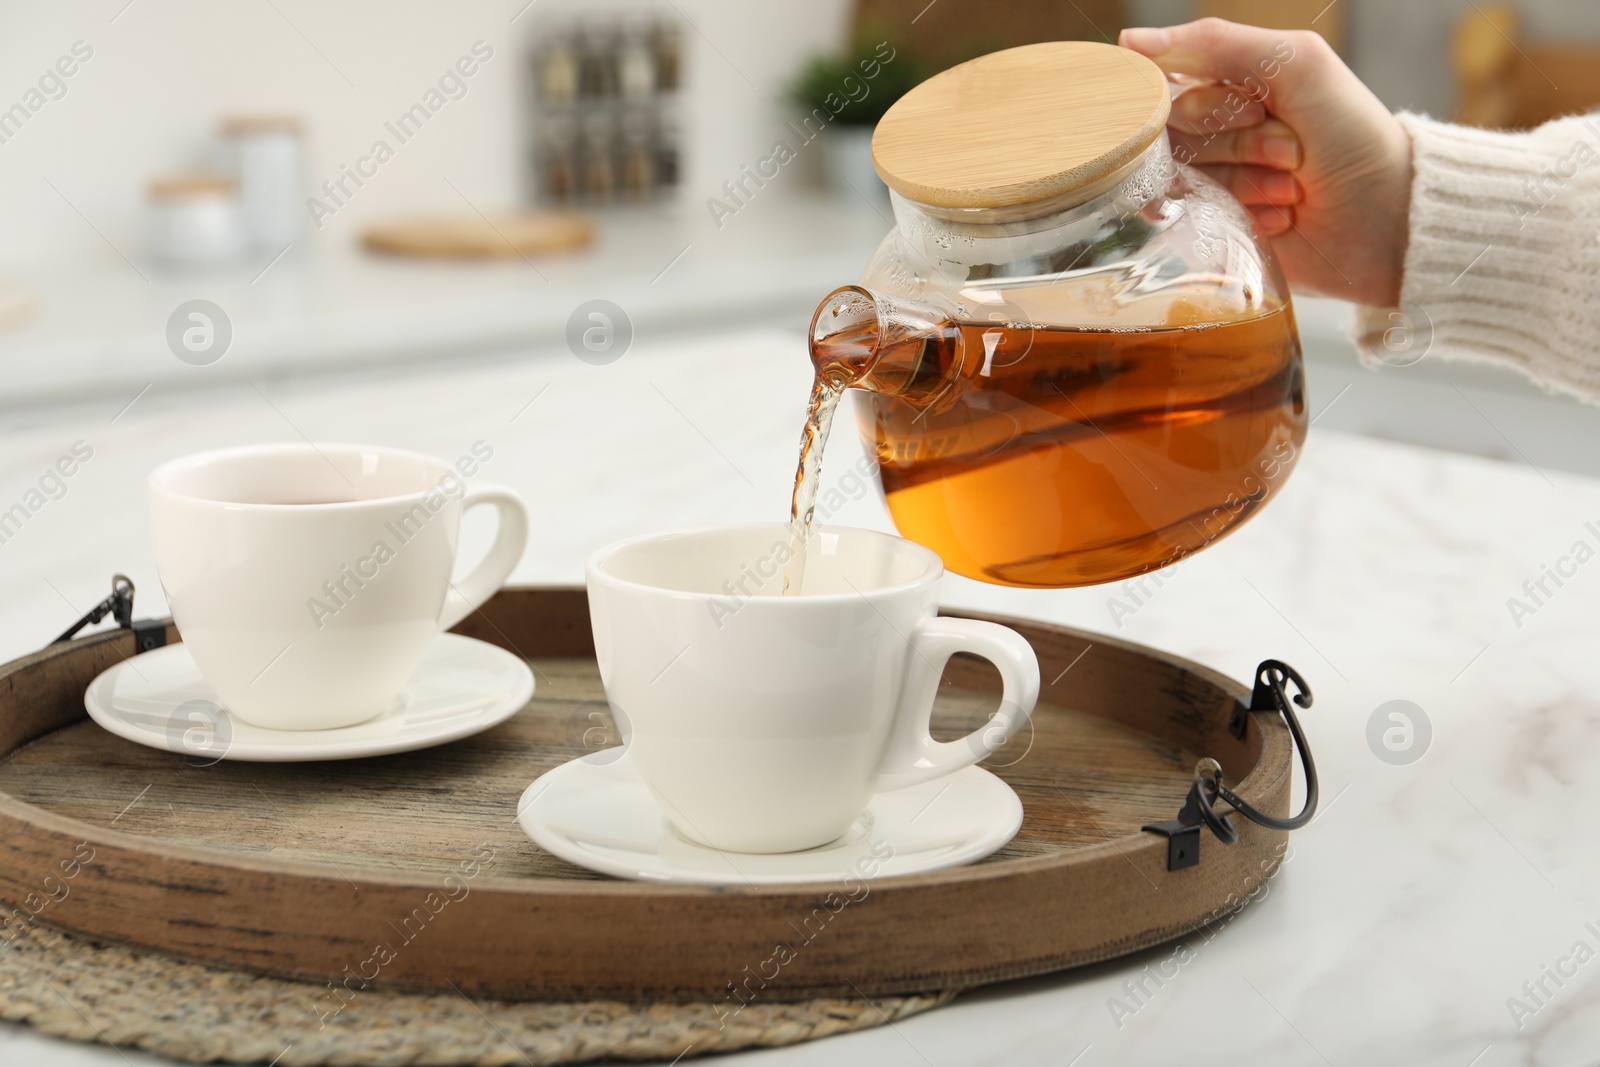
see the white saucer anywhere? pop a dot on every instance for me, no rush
(597, 812)
(461, 687)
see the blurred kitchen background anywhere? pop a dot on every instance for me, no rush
(354, 184)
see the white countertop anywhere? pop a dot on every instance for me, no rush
(326, 311)
(99, 327)
(1418, 902)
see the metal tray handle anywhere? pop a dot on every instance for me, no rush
(1183, 832)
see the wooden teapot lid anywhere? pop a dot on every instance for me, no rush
(1021, 125)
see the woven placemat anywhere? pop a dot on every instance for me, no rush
(69, 987)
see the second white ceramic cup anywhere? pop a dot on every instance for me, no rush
(306, 580)
(763, 722)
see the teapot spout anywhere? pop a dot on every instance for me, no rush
(863, 339)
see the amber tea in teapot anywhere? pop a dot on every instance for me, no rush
(1076, 359)
(1082, 455)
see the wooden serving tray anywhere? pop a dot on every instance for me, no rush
(310, 871)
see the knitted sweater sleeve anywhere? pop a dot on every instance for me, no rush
(1503, 263)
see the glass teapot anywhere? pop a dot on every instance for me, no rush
(1077, 357)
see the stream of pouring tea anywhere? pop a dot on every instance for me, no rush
(803, 507)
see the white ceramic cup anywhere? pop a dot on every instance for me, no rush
(307, 580)
(764, 722)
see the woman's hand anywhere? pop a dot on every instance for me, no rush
(1278, 118)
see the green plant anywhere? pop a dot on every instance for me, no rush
(835, 83)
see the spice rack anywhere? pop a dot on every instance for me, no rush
(605, 100)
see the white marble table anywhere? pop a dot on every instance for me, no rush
(1417, 904)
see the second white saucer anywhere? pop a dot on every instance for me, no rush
(462, 686)
(598, 813)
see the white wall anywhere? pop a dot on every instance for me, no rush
(164, 70)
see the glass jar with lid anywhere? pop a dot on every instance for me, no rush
(1078, 357)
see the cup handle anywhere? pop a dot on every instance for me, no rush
(467, 595)
(913, 756)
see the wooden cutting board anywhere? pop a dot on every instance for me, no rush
(525, 233)
(16, 308)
